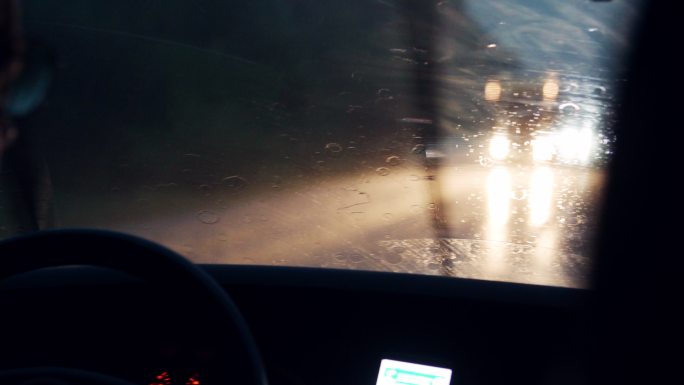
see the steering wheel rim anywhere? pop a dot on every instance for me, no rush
(122, 252)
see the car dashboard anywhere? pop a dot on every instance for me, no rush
(312, 326)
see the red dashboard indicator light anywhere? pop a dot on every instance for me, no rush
(162, 378)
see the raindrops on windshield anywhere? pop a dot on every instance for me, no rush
(208, 217)
(371, 137)
(382, 171)
(393, 160)
(394, 257)
(333, 148)
(568, 107)
(418, 149)
(234, 182)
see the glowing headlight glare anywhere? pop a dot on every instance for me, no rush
(585, 143)
(550, 89)
(498, 196)
(567, 144)
(542, 149)
(499, 146)
(541, 196)
(492, 91)
(576, 145)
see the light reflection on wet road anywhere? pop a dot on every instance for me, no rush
(501, 224)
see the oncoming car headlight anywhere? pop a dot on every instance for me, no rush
(575, 145)
(499, 146)
(543, 148)
(570, 145)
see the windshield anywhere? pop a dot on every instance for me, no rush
(458, 138)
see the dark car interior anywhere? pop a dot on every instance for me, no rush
(92, 306)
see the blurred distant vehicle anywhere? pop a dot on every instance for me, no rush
(534, 119)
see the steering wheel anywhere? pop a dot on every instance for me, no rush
(142, 259)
